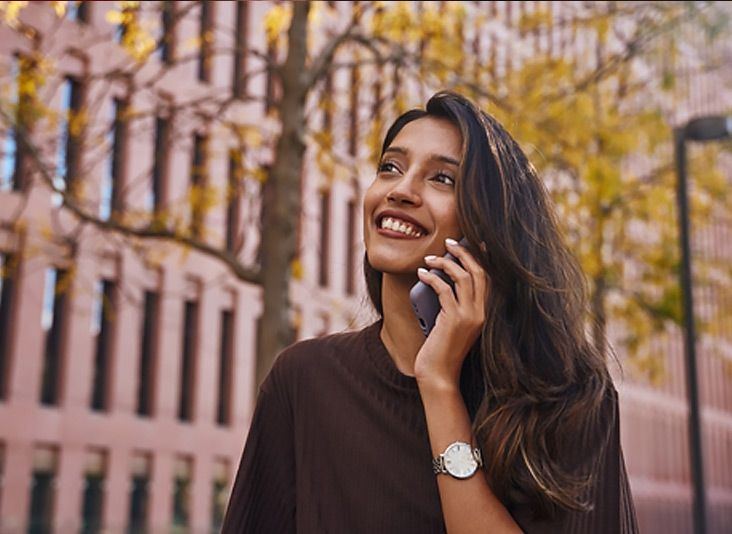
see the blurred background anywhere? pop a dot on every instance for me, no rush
(180, 195)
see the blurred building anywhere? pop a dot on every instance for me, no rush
(127, 375)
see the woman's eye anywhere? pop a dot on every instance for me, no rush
(444, 179)
(387, 167)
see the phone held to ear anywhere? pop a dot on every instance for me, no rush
(425, 301)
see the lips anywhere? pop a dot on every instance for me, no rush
(400, 223)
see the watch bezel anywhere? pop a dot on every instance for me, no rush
(468, 456)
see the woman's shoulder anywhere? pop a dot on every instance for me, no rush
(315, 354)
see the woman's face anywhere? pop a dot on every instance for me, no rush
(410, 208)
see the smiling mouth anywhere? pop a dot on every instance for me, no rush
(398, 225)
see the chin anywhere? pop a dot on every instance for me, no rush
(389, 265)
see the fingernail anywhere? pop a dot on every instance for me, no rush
(451, 241)
(422, 270)
(430, 258)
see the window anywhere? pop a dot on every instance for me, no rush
(198, 183)
(41, 499)
(324, 238)
(102, 319)
(112, 183)
(206, 35)
(353, 138)
(8, 180)
(13, 151)
(219, 494)
(240, 53)
(139, 494)
(69, 140)
(376, 105)
(233, 198)
(148, 354)
(167, 39)
(78, 11)
(351, 248)
(7, 285)
(181, 495)
(328, 102)
(188, 363)
(160, 164)
(52, 322)
(223, 412)
(9, 153)
(130, 13)
(93, 499)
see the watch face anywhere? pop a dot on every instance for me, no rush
(459, 460)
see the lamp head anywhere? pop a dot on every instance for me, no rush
(708, 128)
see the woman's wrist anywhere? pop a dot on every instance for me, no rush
(434, 384)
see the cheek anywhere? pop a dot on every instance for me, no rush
(450, 221)
(370, 201)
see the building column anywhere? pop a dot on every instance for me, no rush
(16, 488)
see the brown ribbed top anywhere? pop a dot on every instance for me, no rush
(338, 444)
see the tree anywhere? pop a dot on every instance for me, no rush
(584, 118)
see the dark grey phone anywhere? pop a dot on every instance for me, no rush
(425, 302)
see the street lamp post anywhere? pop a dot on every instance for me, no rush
(700, 129)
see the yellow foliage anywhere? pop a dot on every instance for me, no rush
(260, 174)
(59, 7)
(191, 43)
(77, 121)
(136, 40)
(201, 198)
(276, 22)
(297, 269)
(9, 12)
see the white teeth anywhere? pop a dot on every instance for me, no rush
(398, 226)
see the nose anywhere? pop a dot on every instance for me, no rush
(405, 190)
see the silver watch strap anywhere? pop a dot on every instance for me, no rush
(478, 456)
(438, 465)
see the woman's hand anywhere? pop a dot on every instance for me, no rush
(460, 320)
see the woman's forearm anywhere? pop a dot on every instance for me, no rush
(469, 505)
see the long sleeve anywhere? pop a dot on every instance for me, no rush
(612, 509)
(263, 497)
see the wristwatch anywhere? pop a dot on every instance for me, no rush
(459, 460)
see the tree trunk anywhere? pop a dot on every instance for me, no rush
(279, 221)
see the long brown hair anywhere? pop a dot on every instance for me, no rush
(533, 382)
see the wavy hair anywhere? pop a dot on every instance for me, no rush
(533, 381)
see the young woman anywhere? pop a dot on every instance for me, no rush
(502, 420)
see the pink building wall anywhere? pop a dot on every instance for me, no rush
(654, 429)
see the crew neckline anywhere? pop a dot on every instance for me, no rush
(382, 360)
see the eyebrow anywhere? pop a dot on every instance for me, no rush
(436, 157)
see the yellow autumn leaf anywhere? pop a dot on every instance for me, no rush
(59, 7)
(9, 12)
(114, 17)
(276, 21)
(252, 137)
(297, 269)
(296, 319)
(260, 174)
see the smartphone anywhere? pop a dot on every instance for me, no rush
(425, 302)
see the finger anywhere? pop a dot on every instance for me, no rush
(442, 288)
(462, 279)
(470, 264)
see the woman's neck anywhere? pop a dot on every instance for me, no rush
(400, 331)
